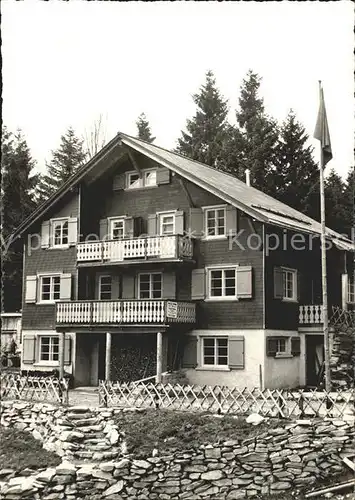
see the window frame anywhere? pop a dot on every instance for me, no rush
(215, 365)
(286, 353)
(142, 184)
(351, 291)
(100, 286)
(294, 297)
(150, 286)
(51, 352)
(52, 276)
(161, 215)
(210, 269)
(111, 221)
(214, 208)
(53, 223)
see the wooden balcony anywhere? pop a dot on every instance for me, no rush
(311, 314)
(117, 312)
(150, 248)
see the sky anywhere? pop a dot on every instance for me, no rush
(65, 63)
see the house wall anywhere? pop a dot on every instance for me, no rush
(282, 372)
(10, 329)
(254, 348)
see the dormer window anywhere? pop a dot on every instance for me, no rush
(147, 179)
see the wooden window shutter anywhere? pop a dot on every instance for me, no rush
(196, 225)
(65, 287)
(119, 182)
(115, 287)
(236, 352)
(67, 350)
(28, 349)
(271, 346)
(244, 282)
(129, 227)
(179, 222)
(152, 225)
(189, 359)
(104, 229)
(128, 286)
(231, 221)
(169, 285)
(298, 285)
(278, 283)
(198, 284)
(45, 232)
(138, 226)
(295, 346)
(73, 231)
(31, 289)
(163, 176)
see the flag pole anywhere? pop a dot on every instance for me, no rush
(324, 269)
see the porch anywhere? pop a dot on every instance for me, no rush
(117, 312)
(150, 248)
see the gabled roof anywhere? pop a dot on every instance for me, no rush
(230, 189)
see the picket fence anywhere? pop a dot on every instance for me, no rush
(45, 389)
(219, 399)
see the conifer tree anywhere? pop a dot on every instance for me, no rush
(144, 130)
(335, 202)
(206, 131)
(65, 161)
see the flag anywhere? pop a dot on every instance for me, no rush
(321, 132)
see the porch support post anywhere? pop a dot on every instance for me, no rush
(159, 357)
(61, 354)
(108, 356)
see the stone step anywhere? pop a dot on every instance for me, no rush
(79, 416)
(86, 422)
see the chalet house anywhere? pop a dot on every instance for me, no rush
(146, 262)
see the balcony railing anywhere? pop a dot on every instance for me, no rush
(311, 314)
(147, 247)
(116, 312)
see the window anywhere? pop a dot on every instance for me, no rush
(50, 288)
(150, 286)
(283, 346)
(215, 222)
(49, 349)
(60, 234)
(147, 179)
(167, 224)
(105, 287)
(222, 283)
(289, 282)
(117, 229)
(351, 291)
(215, 351)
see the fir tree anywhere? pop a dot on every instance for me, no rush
(335, 202)
(297, 175)
(17, 202)
(65, 161)
(349, 202)
(144, 131)
(206, 131)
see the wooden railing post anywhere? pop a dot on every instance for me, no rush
(159, 357)
(108, 357)
(61, 354)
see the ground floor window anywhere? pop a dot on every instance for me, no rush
(49, 348)
(215, 351)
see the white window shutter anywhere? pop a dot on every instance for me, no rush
(163, 176)
(28, 349)
(65, 287)
(45, 232)
(169, 285)
(179, 222)
(119, 182)
(244, 282)
(67, 350)
(31, 289)
(152, 224)
(278, 283)
(128, 286)
(236, 352)
(196, 225)
(104, 229)
(73, 231)
(231, 221)
(198, 284)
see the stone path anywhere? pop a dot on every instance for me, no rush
(84, 396)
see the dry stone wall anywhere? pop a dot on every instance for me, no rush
(286, 458)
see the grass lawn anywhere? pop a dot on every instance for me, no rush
(19, 450)
(170, 431)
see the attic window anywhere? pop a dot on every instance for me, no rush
(147, 179)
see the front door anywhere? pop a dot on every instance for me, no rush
(314, 360)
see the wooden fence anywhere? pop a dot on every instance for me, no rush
(46, 389)
(218, 399)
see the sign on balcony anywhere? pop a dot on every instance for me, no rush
(171, 309)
